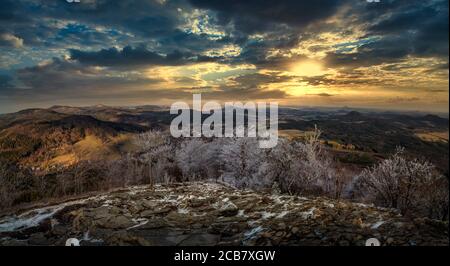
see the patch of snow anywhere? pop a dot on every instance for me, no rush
(168, 199)
(87, 237)
(329, 205)
(224, 204)
(252, 223)
(362, 205)
(139, 221)
(136, 189)
(107, 203)
(33, 217)
(377, 224)
(267, 215)
(308, 214)
(199, 215)
(276, 199)
(282, 214)
(253, 232)
(183, 211)
(241, 213)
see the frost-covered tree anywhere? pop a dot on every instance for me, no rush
(244, 163)
(302, 167)
(149, 140)
(198, 159)
(156, 150)
(410, 185)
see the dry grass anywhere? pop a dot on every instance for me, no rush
(433, 136)
(64, 160)
(93, 148)
(293, 133)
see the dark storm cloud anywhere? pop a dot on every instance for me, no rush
(388, 49)
(281, 22)
(144, 17)
(11, 10)
(407, 28)
(258, 16)
(404, 27)
(125, 21)
(98, 24)
(425, 25)
(131, 57)
(74, 33)
(189, 42)
(59, 75)
(256, 79)
(22, 19)
(256, 53)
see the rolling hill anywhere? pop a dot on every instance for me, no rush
(38, 137)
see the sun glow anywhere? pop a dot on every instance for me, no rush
(308, 69)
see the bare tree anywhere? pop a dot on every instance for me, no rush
(412, 186)
(304, 167)
(198, 159)
(156, 150)
(244, 163)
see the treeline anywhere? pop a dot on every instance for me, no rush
(292, 167)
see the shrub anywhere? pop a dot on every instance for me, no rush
(304, 167)
(412, 186)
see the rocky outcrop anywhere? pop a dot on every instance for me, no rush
(212, 214)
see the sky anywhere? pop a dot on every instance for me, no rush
(391, 54)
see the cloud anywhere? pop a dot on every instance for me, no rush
(5, 82)
(257, 79)
(407, 28)
(138, 56)
(61, 76)
(252, 16)
(403, 99)
(323, 94)
(225, 48)
(9, 40)
(239, 94)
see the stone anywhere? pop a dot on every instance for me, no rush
(196, 202)
(12, 242)
(154, 223)
(201, 240)
(117, 222)
(158, 211)
(229, 209)
(123, 238)
(281, 226)
(38, 239)
(59, 230)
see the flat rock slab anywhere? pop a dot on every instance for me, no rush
(206, 214)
